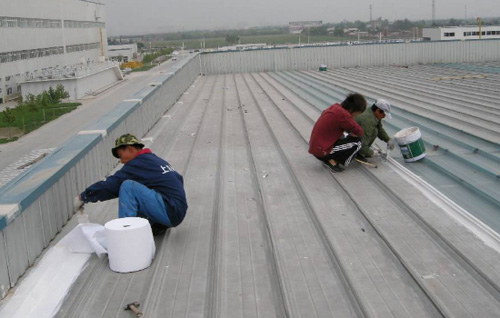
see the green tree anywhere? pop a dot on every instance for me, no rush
(361, 25)
(30, 103)
(61, 93)
(402, 25)
(339, 31)
(232, 38)
(322, 30)
(43, 99)
(9, 118)
(52, 96)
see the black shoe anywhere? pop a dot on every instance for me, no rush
(158, 229)
(361, 158)
(334, 169)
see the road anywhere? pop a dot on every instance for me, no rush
(57, 132)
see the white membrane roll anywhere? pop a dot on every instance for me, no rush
(130, 243)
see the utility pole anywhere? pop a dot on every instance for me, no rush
(371, 17)
(433, 11)
(479, 23)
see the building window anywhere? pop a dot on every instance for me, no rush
(30, 54)
(17, 22)
(82, 47)
(448, 34)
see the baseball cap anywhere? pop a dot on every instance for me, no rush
(125, 140)
(384, 105)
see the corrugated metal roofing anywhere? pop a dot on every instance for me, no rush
(270, 232)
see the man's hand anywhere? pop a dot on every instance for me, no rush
(77, 203)
(376, 153)
(390, 144)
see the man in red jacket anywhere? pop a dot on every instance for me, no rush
(328, 142)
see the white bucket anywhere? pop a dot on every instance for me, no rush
(410, 143)
(130, 244)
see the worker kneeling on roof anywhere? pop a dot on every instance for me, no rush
(147, 186)
(336, 137)
(371, 122)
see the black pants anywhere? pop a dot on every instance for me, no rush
(344, 150)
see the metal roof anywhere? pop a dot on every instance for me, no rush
(270, 232)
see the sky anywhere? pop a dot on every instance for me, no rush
(135, 17)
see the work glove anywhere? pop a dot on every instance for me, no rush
(77, 203)
(390, 144)
(376, 153)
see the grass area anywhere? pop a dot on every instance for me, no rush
(28, 120)
(275, 39)
(144, 68)
(5, 140)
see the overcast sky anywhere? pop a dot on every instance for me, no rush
(131, 17)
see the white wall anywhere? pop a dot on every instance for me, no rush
(76, 87)
(350, 56)
(457, 33)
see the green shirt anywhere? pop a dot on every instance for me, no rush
(372, 128)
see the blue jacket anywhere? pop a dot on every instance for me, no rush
(151, 171)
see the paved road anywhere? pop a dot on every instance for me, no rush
(55, 133)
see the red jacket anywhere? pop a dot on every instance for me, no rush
(329, 127)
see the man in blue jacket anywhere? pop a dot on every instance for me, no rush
(147, 186)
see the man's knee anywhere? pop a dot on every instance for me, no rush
(127, 185)
(356, 139)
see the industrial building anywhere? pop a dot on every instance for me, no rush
(42, 41)
(461, 33)
(271, 232)
(298, 26)
(122, 52)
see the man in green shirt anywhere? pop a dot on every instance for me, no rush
(371, 122)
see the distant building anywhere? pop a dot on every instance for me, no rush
(375, 24)
(460, 33)
(299, 26)
(41, 40)
(122, 53)
(351, 31)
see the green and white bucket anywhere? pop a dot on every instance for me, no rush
(410, 143)
(322, 68)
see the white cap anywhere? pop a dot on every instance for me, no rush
(384, 105)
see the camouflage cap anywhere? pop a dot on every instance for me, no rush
(125, 140)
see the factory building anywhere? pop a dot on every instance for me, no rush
(122, 52)
(298, 26)
(41, 41)
(461, 33)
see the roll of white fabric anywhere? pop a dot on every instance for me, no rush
(130, 244)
